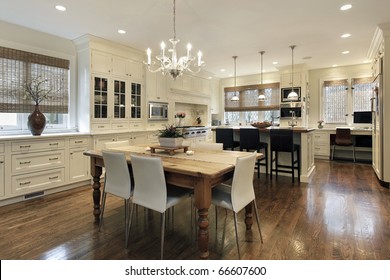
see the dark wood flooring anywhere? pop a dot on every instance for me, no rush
(342, 214)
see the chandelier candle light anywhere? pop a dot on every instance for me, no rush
(174, 66)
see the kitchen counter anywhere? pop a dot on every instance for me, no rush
(296, 129)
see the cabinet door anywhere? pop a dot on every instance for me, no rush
(125, 67)
(100, 62)
(78, 165)
(2, 175)
(100, 97)
(120, 99)
(136, 101)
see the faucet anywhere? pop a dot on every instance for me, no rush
(293, 122)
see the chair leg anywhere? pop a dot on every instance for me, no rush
(235, 228)
(272, 165)
(162, 234)
(299, 164)
(127, 206)
(266, 160)
(130, 220)
(257, 219)
(353, 151)
(333, 151)
(292, 166)
(102, 212)
(216, 218)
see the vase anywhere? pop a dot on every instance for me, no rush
(170, 142)
(320, 126)
(180, 122)
(36, 122)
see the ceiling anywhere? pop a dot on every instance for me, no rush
(219, 28)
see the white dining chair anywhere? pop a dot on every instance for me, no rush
(151, 190)
(117, 182)
(240, 193)
(116, 144)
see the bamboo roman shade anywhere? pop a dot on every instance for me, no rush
(17, 67)
(248, 98)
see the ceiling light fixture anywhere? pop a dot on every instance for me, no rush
(174, 66)
(346, 35)
(60, 8)
(121, 31)
(345, 52)
(261, 96)
(345, 7)
(235, 96)
(292, 96)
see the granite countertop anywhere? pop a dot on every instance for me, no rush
(296, 129)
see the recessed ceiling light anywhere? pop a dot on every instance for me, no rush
(230, 75)
(366, 61)
(210, 78)
(345, 52)
(60, 8)
(121, 31)
(334, 65)
(222, 70)
(275, 62)
(346, 7)
(346, 35)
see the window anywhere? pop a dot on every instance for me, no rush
(340, 98)
(16, 68)
(248, 109)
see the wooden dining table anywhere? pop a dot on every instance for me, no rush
(200, 171)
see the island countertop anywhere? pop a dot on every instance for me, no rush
(296, 129)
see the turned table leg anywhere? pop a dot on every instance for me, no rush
(96, 172)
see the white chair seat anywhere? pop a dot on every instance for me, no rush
(176, 195)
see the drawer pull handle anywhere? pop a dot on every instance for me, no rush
(53, 144)
(1, 162)
(25, 162)
(100, 126)
(120, 125)
(25, 146)
(24, 183)
(53, 158)
(78, 142)
(55, 177)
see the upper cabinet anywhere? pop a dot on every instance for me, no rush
(125, 67)
(156, 86)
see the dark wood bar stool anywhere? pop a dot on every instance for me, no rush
(282, 141)
(250, 141)
(226, 137)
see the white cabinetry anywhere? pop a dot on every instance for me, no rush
(2, 170)
(37, 165)
(134, 138)
(321, 144)
(78, 163)
(127, 68)
(156, 86)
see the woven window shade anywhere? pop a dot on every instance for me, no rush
(248, 98)
(17, 67)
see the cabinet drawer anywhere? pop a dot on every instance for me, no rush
(120, 126)
(1, 147)
(28, 146)
(100, 127)
(321, 150)
(79, 141)
(35, 161)
(136, 127)
(2, 177)
(36, 181)
(321, 138)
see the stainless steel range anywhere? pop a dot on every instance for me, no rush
(194, 131)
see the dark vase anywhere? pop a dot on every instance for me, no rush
(36, 122)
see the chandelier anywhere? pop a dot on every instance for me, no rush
(173, 65)
(235, 96)
(261, 96)
(292, 96)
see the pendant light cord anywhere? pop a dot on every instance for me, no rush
(174, 19)
(292, 67)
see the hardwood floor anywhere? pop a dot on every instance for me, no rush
(343, 213)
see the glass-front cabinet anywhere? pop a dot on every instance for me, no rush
(136, 101)
(100, 98)
(119, 99)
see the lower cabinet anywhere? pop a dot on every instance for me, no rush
(2, 176)
(321, 144)
(78, 165)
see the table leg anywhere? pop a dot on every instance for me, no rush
(96, 172)
(248, 222)
(203, 233)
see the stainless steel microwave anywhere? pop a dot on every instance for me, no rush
(158, 111)
(285, 91)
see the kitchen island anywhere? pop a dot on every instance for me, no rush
(303, 136)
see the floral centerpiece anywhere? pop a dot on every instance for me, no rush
(37, 89)
(320, 124)
(170, 136)
(180, 116)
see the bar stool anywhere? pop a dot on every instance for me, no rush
(282, 141)
(250, 141)
(344, 138)
(225, 136)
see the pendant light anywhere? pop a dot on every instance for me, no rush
(235, 96)
(261, 96)
(292, 96)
